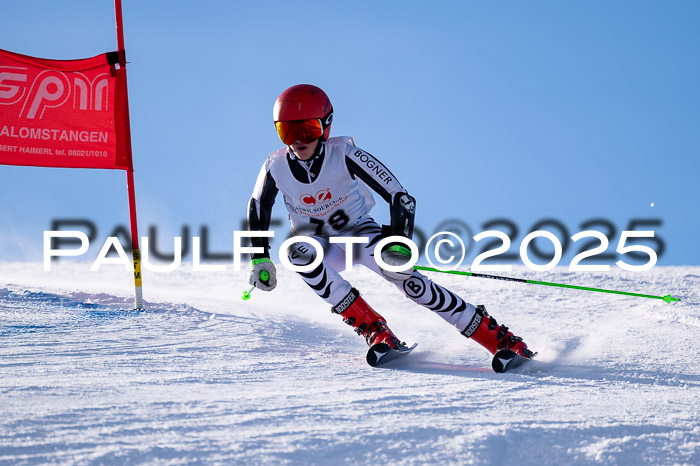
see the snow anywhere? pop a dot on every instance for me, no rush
(203, 376)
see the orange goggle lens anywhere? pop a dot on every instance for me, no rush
(305, 131)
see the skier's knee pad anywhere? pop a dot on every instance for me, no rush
(416, 287)
(301, 254)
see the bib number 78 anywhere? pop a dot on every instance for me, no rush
(337, 221)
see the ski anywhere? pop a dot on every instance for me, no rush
(381, 353)
(507, 360)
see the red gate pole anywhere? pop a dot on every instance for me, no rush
(138, 303)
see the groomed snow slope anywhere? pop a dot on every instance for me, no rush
(203, 376)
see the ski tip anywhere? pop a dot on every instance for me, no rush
(506, 360)
(381, 353)
(376, 352)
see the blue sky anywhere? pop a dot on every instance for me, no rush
(523, 111)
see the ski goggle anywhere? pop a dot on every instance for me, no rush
(305, 131)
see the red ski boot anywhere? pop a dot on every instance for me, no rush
(484, 330)
(366, 322)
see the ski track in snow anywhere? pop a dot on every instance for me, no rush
(202, 376)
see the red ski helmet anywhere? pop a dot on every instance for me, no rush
(304, 102)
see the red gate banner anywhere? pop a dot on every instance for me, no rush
(63, 113)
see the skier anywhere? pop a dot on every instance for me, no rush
(326, 185)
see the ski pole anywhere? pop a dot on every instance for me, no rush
(264, 276)
(668, 298)
(246, 294)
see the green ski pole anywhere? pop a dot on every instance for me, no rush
(668, 298)
(264, 276)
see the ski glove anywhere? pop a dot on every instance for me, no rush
(395, 256)
(262, 274)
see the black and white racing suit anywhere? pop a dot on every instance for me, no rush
(330, 195)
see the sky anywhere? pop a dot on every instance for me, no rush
(513, 116)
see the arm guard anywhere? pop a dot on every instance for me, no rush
(260, 210)
(403, 214)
